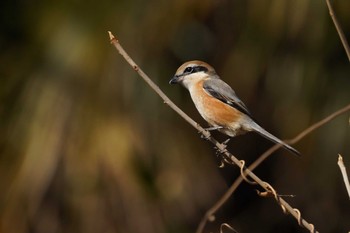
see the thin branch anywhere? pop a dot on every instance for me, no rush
(228, 157)
(344, 173)
(228, 227)
(339, 29)
(211, 212)
(300, 135)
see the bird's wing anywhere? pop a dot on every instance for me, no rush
(223, 92)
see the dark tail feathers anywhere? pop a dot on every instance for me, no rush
(257, 128)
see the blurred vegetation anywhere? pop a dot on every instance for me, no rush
(86, 146)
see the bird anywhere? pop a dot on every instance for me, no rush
(218, 103)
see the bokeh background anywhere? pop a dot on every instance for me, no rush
(86, 146)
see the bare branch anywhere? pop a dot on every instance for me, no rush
(228, 157)
(344, 173)
(299, 136)
(339, 29)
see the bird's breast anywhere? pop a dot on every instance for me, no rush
(214, 111)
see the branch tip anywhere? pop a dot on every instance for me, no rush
(111, 36)
(340, 158)
(344, 173)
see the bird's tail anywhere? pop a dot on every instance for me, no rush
(257, 128)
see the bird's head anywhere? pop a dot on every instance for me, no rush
(192, 72)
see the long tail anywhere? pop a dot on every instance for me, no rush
(257, 128)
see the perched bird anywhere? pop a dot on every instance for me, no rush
(217, 102)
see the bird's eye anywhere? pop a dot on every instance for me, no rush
(188, 70)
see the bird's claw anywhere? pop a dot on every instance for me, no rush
(220, 151)
(204, 136)
(223, 149)
(214, 128)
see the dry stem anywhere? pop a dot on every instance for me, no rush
(344, 173)
(339, 29)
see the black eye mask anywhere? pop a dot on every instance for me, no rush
(194, 69)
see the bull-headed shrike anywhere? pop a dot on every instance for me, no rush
(217, 102)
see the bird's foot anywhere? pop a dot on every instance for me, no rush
(204, 135)
(214, 128)
(220, 150)
(223, 149)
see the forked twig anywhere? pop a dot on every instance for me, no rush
(221, 147)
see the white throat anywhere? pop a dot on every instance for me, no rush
(192, 79)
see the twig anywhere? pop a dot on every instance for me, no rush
(222, 148)
(344, 173)
(299, 136)
(228, 227)
(339, 29)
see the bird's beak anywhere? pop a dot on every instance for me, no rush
(176, 79)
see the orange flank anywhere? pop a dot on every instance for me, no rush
(213, 110)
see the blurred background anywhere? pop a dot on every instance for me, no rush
(87, 146)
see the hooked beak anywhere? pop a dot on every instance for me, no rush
(176, 79)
